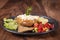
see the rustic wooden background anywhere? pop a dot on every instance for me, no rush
(40, 7)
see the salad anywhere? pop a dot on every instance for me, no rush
(27, 22)
(10, 24)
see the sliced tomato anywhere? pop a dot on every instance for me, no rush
(47, 25)
(51, 25)
(40, 29)
(36, 24)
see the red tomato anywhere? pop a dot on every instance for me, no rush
(47, 25)
(36, 25)
(40, 25)
(51, 25)
(43, 27)
(40, 28)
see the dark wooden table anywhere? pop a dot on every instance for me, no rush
(19, 7)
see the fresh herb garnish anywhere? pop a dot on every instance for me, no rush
(29, 9)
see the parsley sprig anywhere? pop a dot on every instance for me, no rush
(29, 9)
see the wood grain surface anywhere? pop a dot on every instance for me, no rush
(16, 7)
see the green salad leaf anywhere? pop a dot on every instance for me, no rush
(10, 24)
